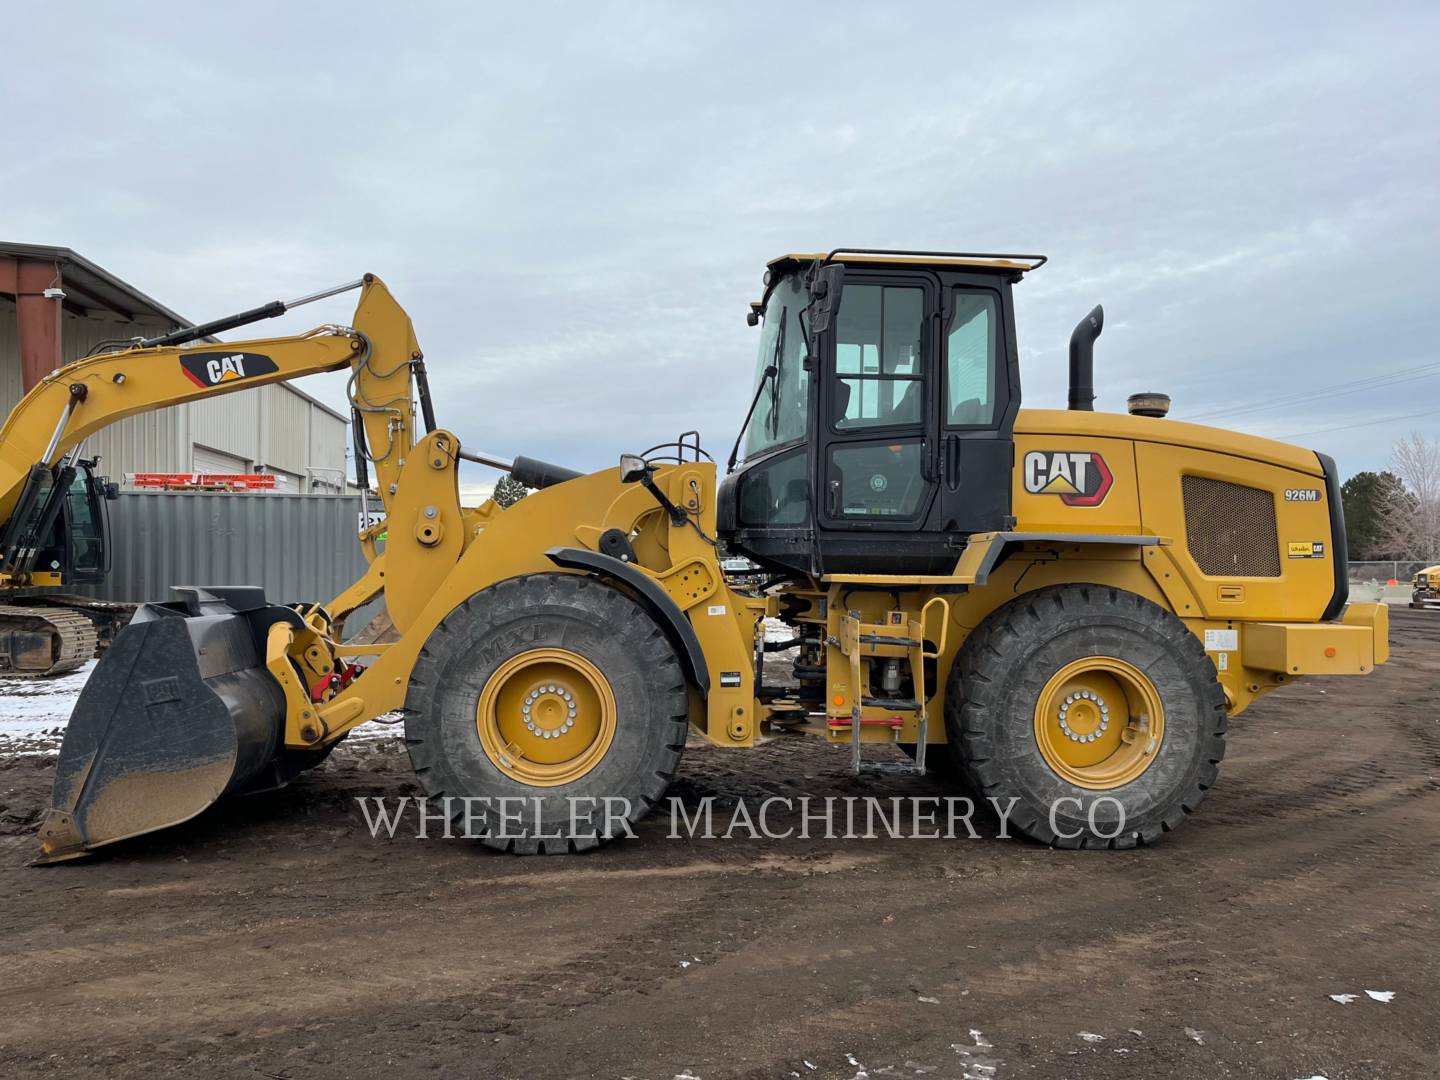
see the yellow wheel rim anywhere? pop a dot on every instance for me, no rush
(1099, 722)
(546, 717)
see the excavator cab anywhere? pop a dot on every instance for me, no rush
(59, 533)
(881, 432)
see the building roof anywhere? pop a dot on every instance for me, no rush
(90, 288)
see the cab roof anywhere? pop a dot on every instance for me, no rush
(969, 260)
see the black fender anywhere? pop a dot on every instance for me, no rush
(652, 597)
(1339, 545)
(1002, 542)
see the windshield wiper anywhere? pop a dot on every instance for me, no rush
(777, 361)
(769, 376)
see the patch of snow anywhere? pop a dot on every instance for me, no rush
(775, 630)
(34, 712)
(928, 1000)
(1343, 999)
(1382, 996)
(978, 1064)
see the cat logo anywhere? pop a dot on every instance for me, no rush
(207, 369)
(1080, 478)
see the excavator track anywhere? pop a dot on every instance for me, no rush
(40, 641)
(108, 616)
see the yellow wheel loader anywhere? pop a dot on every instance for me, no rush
(1064, 606)
(1425, 588)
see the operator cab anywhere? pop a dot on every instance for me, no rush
(59, 533)
(881, 430)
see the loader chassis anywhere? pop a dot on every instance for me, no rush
(1082, 621)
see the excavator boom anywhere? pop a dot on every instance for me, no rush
(44, 479)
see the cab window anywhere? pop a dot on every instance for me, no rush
(878, 360)
(878, 479)
(971, 360)
(87, 545)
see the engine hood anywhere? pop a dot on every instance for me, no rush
(1170, 432)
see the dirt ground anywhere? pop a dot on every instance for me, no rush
(273, 937)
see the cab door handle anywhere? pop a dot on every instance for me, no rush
(951, 459)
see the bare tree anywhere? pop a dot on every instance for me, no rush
(1410, 514)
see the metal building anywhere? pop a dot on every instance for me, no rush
(55, 306)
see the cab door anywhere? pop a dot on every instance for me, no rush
(876, 429)
(87, 528)
(978, 398)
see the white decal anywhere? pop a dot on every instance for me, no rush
(1222, 640)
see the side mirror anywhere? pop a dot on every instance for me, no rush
(825, 293)
(112, 490)
(633, 468)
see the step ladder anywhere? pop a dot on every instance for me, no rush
(897, 638)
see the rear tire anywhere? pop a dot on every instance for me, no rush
(546, 642)
(1056, 701)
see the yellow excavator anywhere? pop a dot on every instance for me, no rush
(1063, 608)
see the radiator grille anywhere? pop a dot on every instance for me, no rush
(1230, 529)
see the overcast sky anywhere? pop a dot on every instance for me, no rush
(575, 202)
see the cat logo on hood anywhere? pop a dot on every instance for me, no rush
(1080, 478)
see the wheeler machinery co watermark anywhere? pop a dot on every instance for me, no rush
(775, 818)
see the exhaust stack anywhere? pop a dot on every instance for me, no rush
(1082, 360)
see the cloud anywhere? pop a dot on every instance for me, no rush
(576, 204)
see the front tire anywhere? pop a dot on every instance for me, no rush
(1093, 708)
(555, 693)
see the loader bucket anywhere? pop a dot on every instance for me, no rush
(179, 711)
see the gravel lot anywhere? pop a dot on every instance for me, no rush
(274, 937)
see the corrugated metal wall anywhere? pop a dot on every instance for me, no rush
(10, 384)
(160, 439)
(299, 547)
(230, 424)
